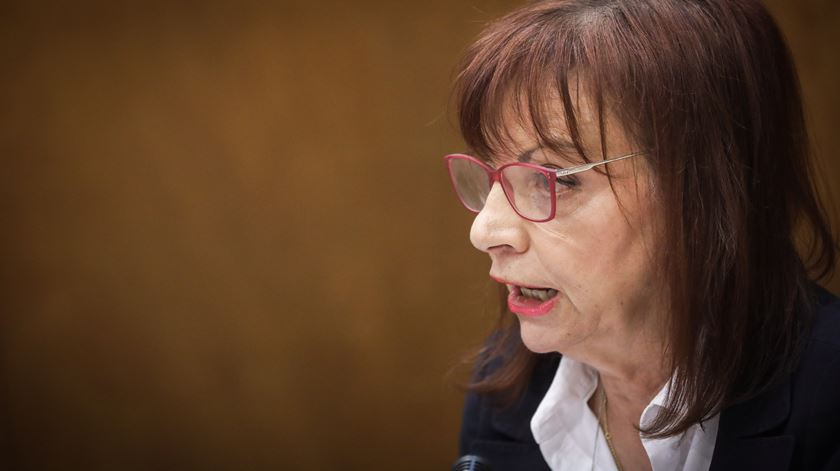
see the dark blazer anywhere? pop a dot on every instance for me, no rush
(793, 426)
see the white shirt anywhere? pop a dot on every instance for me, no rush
(569, 436)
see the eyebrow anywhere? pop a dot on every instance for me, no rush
(526, 156)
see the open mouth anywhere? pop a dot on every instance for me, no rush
(543, 294)
(532, 301)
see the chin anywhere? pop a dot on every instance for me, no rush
(537, 338)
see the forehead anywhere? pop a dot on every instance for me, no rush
(523, 125)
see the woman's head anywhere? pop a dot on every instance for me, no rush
(597, 253)
(698, 234)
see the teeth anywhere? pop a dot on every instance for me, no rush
(541, 294)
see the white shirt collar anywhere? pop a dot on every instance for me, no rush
(566, 429)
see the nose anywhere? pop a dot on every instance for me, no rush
(497, 228)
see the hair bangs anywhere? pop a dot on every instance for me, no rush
(529, 73)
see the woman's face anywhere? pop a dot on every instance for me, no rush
(595, 253)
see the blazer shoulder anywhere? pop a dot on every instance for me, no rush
(815, 386)
(796, 423)
(820, 361)
(826, 321)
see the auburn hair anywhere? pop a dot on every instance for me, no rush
(708, 89)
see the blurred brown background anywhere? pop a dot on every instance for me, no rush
(228, 241)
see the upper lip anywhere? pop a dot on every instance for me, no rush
(516, 283)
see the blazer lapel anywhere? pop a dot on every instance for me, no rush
(746, 438)
(510, 456)
(511, 445)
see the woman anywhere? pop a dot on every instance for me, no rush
(643, 186)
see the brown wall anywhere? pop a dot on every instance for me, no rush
(228, 241)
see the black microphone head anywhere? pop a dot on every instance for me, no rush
(471, 463)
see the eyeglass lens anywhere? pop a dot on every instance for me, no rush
(528, 190)
(472, 183)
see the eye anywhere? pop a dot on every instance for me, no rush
(538, 182)
(569, 181)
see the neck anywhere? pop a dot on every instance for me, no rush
(626, 392)
(631, 372)
(628, 397)
(633, 367)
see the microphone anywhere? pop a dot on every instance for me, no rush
(471, 463)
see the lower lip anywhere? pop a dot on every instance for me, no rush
(529, 307)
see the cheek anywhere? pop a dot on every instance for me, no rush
(595, 253)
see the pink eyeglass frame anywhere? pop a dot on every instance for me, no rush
(551, 174)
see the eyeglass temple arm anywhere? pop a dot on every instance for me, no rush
(562, 172)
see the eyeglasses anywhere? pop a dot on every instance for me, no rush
(531, 189)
